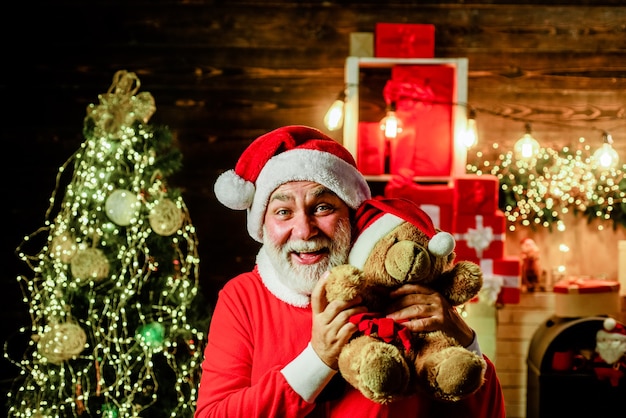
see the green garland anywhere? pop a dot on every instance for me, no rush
(539, 191)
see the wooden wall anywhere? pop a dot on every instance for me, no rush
(224, 72)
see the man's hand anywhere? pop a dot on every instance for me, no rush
(420, 309)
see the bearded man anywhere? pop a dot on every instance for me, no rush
(274, 339)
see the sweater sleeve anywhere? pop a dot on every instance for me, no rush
(226, 388)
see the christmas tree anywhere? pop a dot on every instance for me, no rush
(117, 318)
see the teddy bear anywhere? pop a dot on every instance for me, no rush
(395, 242)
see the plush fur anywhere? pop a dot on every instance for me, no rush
(385, 369)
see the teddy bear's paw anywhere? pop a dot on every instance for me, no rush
(376, 368)
(455, 373)
(345, 282)
(465, 280)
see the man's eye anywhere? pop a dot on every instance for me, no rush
(323, 208)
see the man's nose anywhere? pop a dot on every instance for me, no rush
(305, 226)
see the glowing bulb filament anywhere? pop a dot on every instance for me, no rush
(334, 117)
(391, 125)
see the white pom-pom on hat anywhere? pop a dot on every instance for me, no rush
(441, 244)
(609, 324)
(233, 191)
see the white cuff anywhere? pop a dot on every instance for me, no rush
(474, 346)
(307, 374)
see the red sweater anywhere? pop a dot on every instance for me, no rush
(253, 335)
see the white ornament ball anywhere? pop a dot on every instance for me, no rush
(121, 206)
(63, 342)
(90, 264)
(63, 247)
(166, 217)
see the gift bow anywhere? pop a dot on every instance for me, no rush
(479, 238)
(386, 328)
(119, 108)
(492, 283)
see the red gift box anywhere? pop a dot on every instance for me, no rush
(422, 94)
(509, 295)
(509, 269)
(371, 149)
(404, 40)
(476, 194)
(576, 297)
(577, 285)
(480, 236)
(503, 275)
(437, 200)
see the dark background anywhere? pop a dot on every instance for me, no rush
(225, 72)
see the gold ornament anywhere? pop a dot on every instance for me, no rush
(63, 247)
(166, 217)
(90, 264)
(62, 342)
(121, 206)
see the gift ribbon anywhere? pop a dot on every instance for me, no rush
(407, 95)
(479, 238)
(492, 283)
(386, 328)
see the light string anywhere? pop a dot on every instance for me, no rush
(539, 190)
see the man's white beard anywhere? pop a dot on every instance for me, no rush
(302, 278)
(611, 350)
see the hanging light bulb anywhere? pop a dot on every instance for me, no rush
(333, 119)
(526, 147)
(470, 137)
(606, 157)
(390, 124)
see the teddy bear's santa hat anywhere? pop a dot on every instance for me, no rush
(290, 153)
(379, 216)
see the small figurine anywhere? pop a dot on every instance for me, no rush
(610, 359)
(530, 269)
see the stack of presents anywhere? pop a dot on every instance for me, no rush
(465, 205)
(468, 208)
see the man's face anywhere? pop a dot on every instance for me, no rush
(306, 230)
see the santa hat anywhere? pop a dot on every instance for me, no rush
(379, 216)
(612, 330)
(290, 153)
